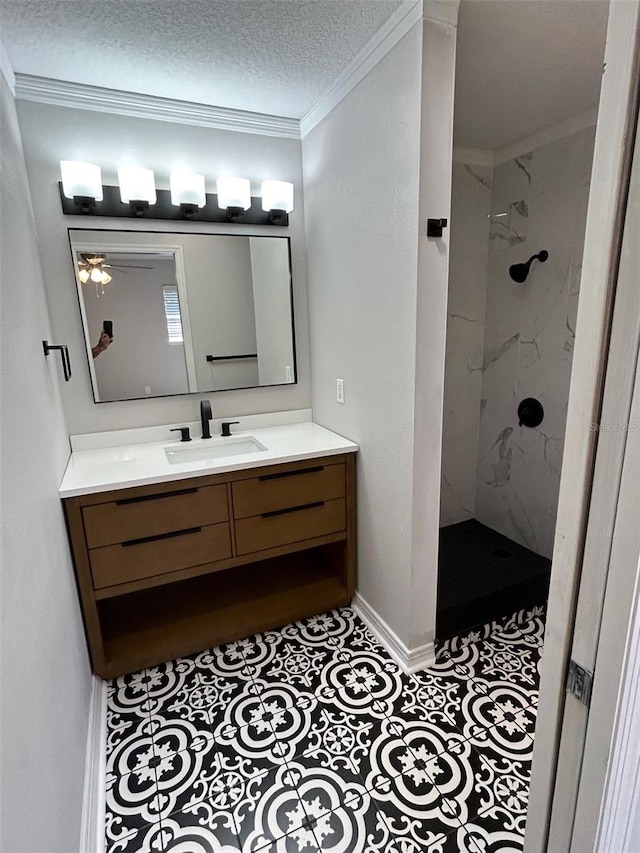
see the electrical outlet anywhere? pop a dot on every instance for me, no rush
(340, 390)
(288, 373)
(147, 389)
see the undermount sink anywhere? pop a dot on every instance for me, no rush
(215, 448)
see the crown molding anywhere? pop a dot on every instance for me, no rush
(387, 37)
(7, 69)
(44, 90)
(444, 11)
(545, 137)
(472, 156)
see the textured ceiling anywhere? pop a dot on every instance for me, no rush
(525, 65)
(270, 56)
(522, 65)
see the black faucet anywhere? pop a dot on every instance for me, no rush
(205, 416)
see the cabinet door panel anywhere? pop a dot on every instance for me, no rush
(149, 515)
(288, 489)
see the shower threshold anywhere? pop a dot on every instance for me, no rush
(483, 575)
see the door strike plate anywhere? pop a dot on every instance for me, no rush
(580, 683)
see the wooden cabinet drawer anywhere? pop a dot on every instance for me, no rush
(291, 525)
(293, 488)
(115, 564)
(153, 514)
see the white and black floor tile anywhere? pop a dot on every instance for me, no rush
(310, 738)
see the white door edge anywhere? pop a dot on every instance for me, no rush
(602, 238)
(613, 734)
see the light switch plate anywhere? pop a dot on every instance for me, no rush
(340, 390)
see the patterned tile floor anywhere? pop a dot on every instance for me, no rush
(310, 738)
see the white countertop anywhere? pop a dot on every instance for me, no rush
(108, 468)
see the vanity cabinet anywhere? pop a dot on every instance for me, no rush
(173, 568)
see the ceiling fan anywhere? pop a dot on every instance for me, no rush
(94, 267)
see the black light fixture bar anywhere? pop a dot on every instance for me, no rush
(111, 205)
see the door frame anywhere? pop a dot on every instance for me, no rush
(607, 201)
(610, 769)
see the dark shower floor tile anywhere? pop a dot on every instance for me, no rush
(483, 575)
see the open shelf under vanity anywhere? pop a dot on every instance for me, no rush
(164, 622)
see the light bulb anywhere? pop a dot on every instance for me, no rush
(136, 184)
(84, 275)
(81, 179)
(277, 195)
(234, 192)
(187, 188)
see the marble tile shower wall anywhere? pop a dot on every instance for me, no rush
(471, 204)
(538, 201)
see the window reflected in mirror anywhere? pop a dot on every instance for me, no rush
(172, 313)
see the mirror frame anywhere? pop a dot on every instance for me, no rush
(151, 248)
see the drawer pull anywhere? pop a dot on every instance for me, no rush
(292, 509)
(292, 473)
(161, 536)
(173, 494)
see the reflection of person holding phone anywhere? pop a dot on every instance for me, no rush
(106, 337)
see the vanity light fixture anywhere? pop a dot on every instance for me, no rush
(137, 188)
(81, 182)
(82, 193)
(234, 196)
(187, 192)
(277, 200)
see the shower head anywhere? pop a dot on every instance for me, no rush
(519, 272)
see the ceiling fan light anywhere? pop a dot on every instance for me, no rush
(234, 192)
(187, 188)
(105, 278)
(81, 179)
(136, 184)
(84, 275)
(277, 195)
(96, 274)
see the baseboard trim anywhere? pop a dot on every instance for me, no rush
(92, 839)
(409, 660)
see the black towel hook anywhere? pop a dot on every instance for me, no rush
(64, 355)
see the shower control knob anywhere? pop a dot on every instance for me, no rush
(530, 412)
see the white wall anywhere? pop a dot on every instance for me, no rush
(112, 140)
(140, 354)
(221, 310)
(529, 335)
(375, 169)
(436, 154)
(45, 673)
(361, 171)
(470, 205)
(272, 300)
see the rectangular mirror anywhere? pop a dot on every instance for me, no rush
(183, 313)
